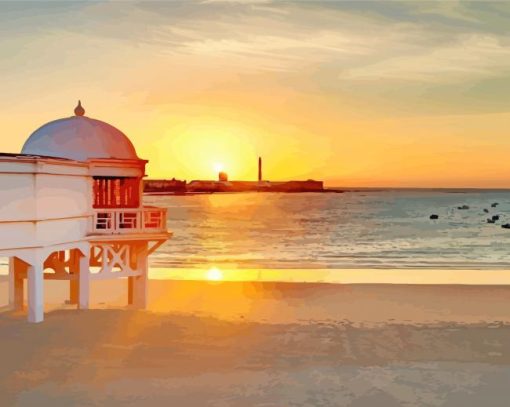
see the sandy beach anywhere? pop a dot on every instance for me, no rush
(263, 344)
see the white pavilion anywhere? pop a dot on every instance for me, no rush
(71, 209)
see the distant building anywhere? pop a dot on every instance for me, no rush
(283, 186)
(222, 176)
(224, 185)
(164, 185)
(208, 186)
(260, 169)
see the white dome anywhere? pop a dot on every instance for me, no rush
(79, 138)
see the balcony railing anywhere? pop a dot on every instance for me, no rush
(148, 219)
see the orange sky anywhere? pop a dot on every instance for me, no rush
(381, 93)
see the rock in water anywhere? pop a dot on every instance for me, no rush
(495, 217)
(491, 220)
(433, 216)
(463, 207)
(486, 210)
(494, 205)
(506, 226)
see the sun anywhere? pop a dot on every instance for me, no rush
(214, 274)
(218, 167)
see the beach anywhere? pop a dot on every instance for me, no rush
(262, 343)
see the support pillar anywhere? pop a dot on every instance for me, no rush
(83, 282)
(74, 269)
(15, 283)
(35, 279)
(73, 290)
(137, 286)
(131, 284)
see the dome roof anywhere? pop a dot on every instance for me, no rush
(79, 138)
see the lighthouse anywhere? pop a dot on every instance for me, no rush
(72, 209)
(260, 169)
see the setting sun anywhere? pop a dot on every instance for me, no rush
(218, 167)
(214, 274)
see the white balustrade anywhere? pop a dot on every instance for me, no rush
(143, 220)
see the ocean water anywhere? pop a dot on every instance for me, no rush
(360, 229)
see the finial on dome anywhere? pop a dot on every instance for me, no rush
(79, 110)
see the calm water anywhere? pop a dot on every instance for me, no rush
(385, 229)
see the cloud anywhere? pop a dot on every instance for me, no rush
(471, 56)
(407, 41)
(314, 46)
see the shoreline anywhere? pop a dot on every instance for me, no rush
(342, 276)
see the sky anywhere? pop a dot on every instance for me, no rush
(382, 93)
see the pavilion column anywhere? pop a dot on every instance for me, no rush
(83, 281)
(137, 285)
(35, 277)
(16, 267)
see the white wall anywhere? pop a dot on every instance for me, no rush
(17, 197)
(43, 203)
(61, 231)
(17, 235)
(62, 196)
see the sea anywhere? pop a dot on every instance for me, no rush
(362, 228)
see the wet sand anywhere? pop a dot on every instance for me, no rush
(266, 344)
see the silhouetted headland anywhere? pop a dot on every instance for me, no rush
(209, 186)
(222, 184)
